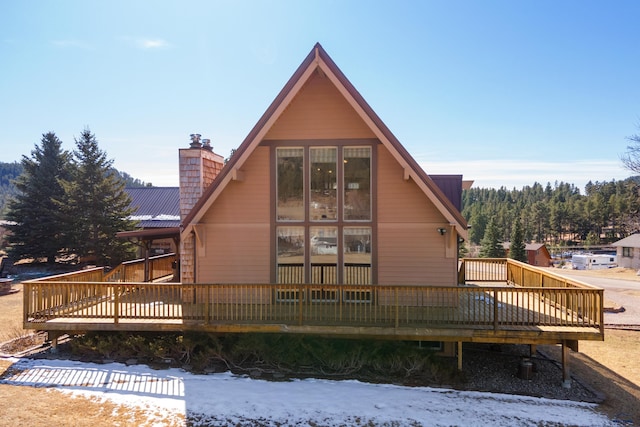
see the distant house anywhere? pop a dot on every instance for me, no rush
(157, 210)
(628, 252)
(537, 254)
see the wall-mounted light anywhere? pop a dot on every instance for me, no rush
(442, 231)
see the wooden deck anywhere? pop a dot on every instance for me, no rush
(488, 306)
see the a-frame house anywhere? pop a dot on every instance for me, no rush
(320, 191)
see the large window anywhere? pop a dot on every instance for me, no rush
(323, 214)
(290, 194)
(357, 184)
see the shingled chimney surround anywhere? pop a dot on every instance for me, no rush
(199, 166)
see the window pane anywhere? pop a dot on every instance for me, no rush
(290, 181)
(324, 254)
(323, 204)
(357, 255)
(290, 255)
(357, 184)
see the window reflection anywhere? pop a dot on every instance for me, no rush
(357, 255)
(357, 183)
(324, 254)
(290, 247)
(323, 179)
(290, 184)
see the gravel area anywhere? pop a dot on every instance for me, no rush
(496, 368)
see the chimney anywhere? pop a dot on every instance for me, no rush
(199, 166)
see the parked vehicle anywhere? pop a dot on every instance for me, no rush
(593, 261)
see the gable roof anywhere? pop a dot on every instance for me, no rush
(318, 59)
(632, 241)
(155, 207)
(528, 246)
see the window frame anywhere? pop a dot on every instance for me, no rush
(340, 223)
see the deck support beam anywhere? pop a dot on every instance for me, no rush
(566, 371)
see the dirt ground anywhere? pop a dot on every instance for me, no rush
(610, 368)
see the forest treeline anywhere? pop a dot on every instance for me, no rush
(10, 171)
(558, 214)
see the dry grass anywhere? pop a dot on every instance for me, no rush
(40, 407)
(11, 315)
(610, 367)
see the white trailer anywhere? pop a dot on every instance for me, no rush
(593, 261)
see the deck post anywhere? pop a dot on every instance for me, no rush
(53, 337)
(566, 371)
(495, 310)
(397, 310)
(116, 304)
(300, 311)
(459, 355)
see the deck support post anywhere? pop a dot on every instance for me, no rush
(532, 349)
(566, 371)
(53, 337)
(459, 355)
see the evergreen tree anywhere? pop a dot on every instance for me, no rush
(491, 245)
(517, 249)
(39, 224)
(97, 205)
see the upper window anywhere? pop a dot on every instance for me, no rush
(357, 183)
(321, 183)
(627, 252)
(323, 178)
(290, 184)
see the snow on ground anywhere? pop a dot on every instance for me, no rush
(227, 399)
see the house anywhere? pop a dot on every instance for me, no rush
(321, 223)
(319, 165)
(537, 254)
(628, 252)
(157, 211)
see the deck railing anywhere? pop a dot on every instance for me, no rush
(325, 273)
(134, 271)
(496, 307)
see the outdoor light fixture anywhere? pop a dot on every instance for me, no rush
(442, 231)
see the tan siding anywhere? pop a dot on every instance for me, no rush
(401, 200)
(413, 254)
(410, 249)
(237, 228)
(235, 254)
(245, 201)
(319, 111)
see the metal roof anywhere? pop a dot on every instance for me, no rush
(451, 186)
(155, 207)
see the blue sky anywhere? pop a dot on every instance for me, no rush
(507, 93)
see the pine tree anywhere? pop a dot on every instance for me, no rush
(491, 242)
(517, 249)
(97, 205)
(39, 231)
